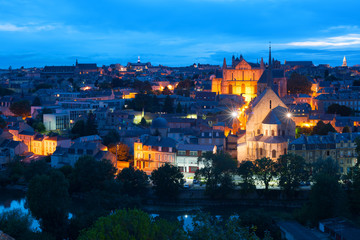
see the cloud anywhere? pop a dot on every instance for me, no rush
(9, 27)
(349, 40)
(350, 28)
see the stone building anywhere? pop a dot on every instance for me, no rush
(240, 78)
(249, 79)
(338, 146)
(269, 126)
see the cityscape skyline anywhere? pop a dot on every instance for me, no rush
(40, 33)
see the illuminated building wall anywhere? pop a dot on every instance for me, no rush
(240, 79)
(149, 158)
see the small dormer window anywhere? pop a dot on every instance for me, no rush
(210, 134)
(203, 134)
(160, 149)
(217, 134)
(170, 149)
(270, 104)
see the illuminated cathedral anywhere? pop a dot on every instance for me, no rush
(249, 79)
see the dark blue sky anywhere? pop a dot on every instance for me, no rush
(177, 32)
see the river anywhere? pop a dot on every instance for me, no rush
(15, 199)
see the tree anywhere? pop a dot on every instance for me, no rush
(322, 129)
(79, 128)
(178, 108)
(354, 194)
(298, 84)
(35, 168)
(5, 92)
(346, 129)
(327, 199)
(217, 171)
(143, 122)
(339, 109)
(166, 91)
(91, 126)
(292, 171)
(326, 166)
(265, 170)
(18, 225)
(168, 105)
(36, 102)
(205, 226)
(112, 137)
(48, 200)
(133, 224)
(3, 123)
(167, 180)
(121, 150)
(134, 182)
(39, 127)
(15, 170)
(184, 87)
(245, 170)
(21, 108)
(91, 174)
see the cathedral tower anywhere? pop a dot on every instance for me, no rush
(344, 62)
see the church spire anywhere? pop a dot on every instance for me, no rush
(269, 74)
(224, 64)
(269, 54)
(344, 62)
(262, 65)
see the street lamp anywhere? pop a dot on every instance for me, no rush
(234, 114)
(289, 115)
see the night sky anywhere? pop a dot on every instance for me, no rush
(177, 33)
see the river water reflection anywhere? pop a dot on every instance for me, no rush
(15, 200)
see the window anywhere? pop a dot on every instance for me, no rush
(270, 104)
(272, 133)
(258, 131)
(266, 132)
(193, 153)
(273, 155)
(261, 151)
(181, 153)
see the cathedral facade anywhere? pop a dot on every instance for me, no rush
(249, 79)
(240, 78)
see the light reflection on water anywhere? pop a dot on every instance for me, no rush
(19, 205)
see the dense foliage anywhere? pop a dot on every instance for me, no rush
(21, 108)
(298, 84)
(167, 181)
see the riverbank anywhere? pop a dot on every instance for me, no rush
(195, 198)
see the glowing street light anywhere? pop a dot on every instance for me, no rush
(289, 115)
(234, 114)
